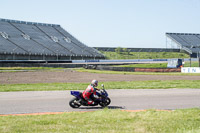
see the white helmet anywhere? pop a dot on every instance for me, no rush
(94, 83)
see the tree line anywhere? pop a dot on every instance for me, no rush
(119, 50)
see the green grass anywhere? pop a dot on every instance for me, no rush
(193, 64)
(152, 65)
(42, 87)
(28, 68)
(158, 65)
(135, 73)
(144, 55)
(152, 84)
(106, 121)
(16, 69)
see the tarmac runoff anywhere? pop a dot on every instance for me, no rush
(56, 102)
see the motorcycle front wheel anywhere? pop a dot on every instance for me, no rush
(73, 103)
(105, 103)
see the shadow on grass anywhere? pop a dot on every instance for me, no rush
(109, 107)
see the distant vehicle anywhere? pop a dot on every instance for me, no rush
(174, 63)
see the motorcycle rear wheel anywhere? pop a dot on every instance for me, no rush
(105, 103)
(73, 103)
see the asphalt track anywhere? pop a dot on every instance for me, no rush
(137, 99)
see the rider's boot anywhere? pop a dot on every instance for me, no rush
(83, 102)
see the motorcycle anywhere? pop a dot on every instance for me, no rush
(101, 99)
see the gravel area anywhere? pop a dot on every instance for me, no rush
(76, 77)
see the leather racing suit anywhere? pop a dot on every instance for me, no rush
(88, 92)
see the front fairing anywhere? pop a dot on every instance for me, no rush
(102, 93)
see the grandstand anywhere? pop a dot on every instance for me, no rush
(187, 42)
(21, 40)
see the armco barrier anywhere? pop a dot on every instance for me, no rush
(91, 60)
(160, 59)
(132, 69)
(129, 60)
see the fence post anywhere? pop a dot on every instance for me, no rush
(199, 59)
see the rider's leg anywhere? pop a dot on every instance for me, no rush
(89, 100)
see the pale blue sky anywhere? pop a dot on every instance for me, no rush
(111, 23)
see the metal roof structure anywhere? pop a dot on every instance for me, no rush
(186, 41)
(30, 38)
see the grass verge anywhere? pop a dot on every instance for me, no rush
(150, 65)
(144, 55)
(152, 84)
(116, 121)
(28, 68)
(135, 73)
(17, 69)
(158, 65)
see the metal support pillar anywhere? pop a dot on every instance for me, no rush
(199, 58)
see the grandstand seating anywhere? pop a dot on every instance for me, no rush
(8, 47)
(186, 41)
(29, 38)
(51, 32)
(84, 48)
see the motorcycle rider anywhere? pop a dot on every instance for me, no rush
(89, 91)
